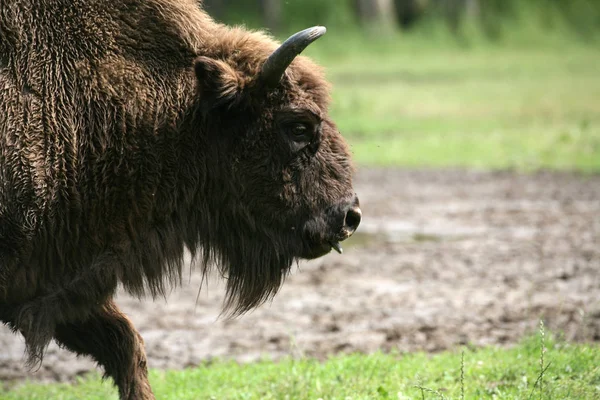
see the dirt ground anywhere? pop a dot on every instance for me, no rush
(443, 258)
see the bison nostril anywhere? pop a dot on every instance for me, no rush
(352, 220)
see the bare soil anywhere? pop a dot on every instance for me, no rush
(443, 258)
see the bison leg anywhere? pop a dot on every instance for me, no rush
(110, 338)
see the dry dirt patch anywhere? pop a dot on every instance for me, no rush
(443, 258)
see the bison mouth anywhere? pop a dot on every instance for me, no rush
(315, 249)
(318, 250)
(322, 249)
(336, 246)
(325, 232)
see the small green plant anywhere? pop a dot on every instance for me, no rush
(539, 383)
(462, 375)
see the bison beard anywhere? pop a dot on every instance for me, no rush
(132, 130)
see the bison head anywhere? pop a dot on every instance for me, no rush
(279, 173)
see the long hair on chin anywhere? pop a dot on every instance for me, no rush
(254, 262)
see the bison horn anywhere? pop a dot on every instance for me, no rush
(277, 63)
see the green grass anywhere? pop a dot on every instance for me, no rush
(573, 372)
(485, 106)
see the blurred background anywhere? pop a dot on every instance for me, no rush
(477, 83)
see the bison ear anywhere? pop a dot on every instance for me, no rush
(218, 83)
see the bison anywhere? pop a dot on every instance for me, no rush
(132, 130)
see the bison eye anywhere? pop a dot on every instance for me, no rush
(301, 132)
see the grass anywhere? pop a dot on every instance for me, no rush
(569, 371)
(489, 107)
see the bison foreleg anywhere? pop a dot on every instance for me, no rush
(110, 338)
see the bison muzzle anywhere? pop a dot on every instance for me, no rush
(132, 130)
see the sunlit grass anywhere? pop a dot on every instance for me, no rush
(573, 373)
(483, 107)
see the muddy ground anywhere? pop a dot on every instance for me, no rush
(443, 258)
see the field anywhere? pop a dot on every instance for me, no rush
(481, 107)
(478, 178)
(572, 372)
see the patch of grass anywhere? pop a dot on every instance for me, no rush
(420, 104)
(570, 371)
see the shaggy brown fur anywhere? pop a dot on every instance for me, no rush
(132, 129)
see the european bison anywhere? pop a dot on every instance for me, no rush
(133, 129)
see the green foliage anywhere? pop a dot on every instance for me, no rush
(573, 371)
(488, 19)
(496, 19)
(295, 14)
(337, 14)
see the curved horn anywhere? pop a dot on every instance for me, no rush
(277, 63)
